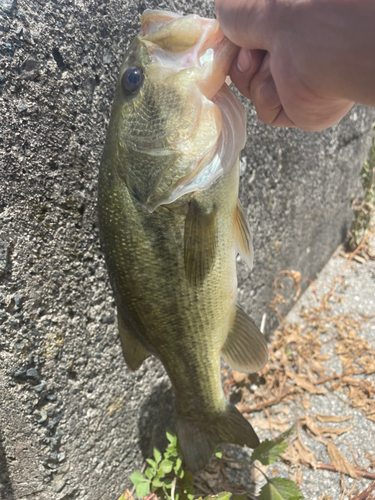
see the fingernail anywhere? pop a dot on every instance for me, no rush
(244, 60)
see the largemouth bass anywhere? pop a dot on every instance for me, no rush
(171, 223)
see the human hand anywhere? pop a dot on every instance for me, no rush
(301, 62)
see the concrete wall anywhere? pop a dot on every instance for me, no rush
(74, 422)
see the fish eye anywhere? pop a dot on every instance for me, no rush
(132, 79)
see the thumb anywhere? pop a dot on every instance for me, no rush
(247, 23)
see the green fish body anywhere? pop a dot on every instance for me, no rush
(171, 223)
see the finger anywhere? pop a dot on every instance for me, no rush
(243, 69)
(247, 23)
(266, 99)
(258, 85)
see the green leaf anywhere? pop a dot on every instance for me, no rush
(171, 452)
(157, 455)
(280, 489)
(137, 478)
(166, 466)
(269, 450)
(221, 496)
(177, 466)
(241, 497)
(218, 454)
(153, 464)
(157, 483)
(172, 438)
(143, 489)
(149, 473)
(180, 473)
(168, 482)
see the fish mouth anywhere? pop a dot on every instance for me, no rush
(193, 42)
(193, 56)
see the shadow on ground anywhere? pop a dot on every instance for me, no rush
(6, 490)
(157, 416)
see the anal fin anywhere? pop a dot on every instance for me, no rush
(243, 236)
(245, 349)
(133, 351)
(199, 242)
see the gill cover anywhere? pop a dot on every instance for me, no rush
(183, 128)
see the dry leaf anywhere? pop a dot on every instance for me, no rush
(347, 361)
(332, 418)
(276, 423)
(239, 378)
(306, 404)
(312, 425)
(298, 477)
(210, 478)
(322, 357)
(372, 460)
(304, 453)
(339, 461)
(286, 410)
(351, 381)
(338, 432)
(128, 495)
(290, 455)
(308, 386)
(368, 363)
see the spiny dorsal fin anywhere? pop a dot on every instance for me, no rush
(243, 236)
(245, 349)
(200, 242)
(133, 351)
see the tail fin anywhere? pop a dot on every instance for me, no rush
(198, 440)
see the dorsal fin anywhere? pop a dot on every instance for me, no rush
(244, 242)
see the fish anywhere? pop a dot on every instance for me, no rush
(171, 224)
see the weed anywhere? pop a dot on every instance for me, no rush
(165, 477)
(364, 209)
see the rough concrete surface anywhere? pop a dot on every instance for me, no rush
(74, 422)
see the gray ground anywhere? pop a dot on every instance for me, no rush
(74, 422)
(358, 299)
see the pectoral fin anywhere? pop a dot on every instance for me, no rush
(200, 242)
(133, 351)
(245, 349)
(243, 236)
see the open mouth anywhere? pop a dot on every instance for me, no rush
(195, 54)
(191, 42)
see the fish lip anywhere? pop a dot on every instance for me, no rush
(214, 67)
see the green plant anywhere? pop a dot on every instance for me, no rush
(364, 209)
(167, 479)
(165, 475)
(267, 453)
